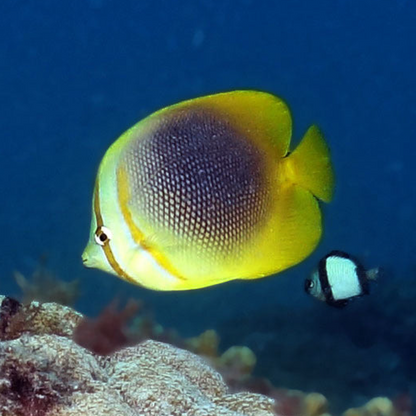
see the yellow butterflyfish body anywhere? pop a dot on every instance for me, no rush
(206, 191)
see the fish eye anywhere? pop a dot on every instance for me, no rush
(309, 284)
(103, 235)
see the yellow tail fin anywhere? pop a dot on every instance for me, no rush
(309, 166)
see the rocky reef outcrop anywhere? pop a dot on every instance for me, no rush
(43, 372)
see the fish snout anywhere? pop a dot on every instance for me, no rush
(86, 261)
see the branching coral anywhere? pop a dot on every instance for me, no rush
(44, 373)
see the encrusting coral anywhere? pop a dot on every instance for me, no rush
(31, 385)
(43, 372)
(379, 406)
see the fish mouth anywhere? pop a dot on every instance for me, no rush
(85, 260)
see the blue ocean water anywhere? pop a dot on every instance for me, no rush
(74, 75)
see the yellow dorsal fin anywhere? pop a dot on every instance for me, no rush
(309, 166)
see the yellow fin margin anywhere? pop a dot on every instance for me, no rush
(292, 234)
(296, 225)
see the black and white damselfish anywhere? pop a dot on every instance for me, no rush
(339, 278)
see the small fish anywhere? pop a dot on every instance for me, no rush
(207, 191)
(339, 278)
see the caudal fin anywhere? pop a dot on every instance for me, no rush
(373, 274)
(309, 166)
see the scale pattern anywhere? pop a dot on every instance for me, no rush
(198, 178)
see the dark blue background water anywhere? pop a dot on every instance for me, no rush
(76, 74)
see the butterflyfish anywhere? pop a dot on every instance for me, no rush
(207, 191)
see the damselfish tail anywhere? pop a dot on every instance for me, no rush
(373, 274)
(309, 165)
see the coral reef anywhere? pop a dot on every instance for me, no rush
(43, 372)
(236, 364)
(205, 344)
(109, 333)
(379, 406)
(350, 356)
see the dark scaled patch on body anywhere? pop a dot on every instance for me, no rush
(199, 178)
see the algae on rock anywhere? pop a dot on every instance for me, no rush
(44, 372)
